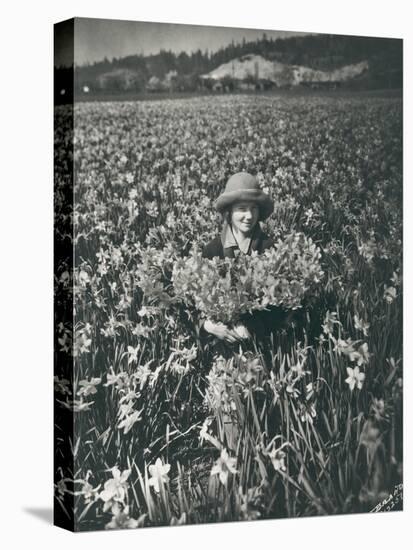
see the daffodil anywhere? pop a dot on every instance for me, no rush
(120, 518)
(299, 369)
(83, 278)
(355, 378)
(378, 408)
(307, 413)
(62, 385)
(133, 354)
(89, 493)
(115, 488)
(346, 347)
(125, 408)
(88, 387)
(142, 374)
(363, 354)
(179, 521)
(203, 432)
(158, 473)
(65, 342)
(277, 457)
(118, 379)
(79, 405)
(129, 397)
(361, 325)
(329, 321)
(81, 344)
(223, 466)
(128, 422)
(248, 501)
(291, 390)
(390, 294)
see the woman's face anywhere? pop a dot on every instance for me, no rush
(244, 216)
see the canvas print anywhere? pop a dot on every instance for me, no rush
(228, 274)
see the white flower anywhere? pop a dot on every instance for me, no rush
(359, 324)
(117, 379)
(223, 466)
(277, 457)
(89, 493)
(120, 518)
(355, 378)
(142, 374)
(88, 387)
(203, 432)
(390, 293)
(329, 321)
(363, 354)
(129, 421)
(133, 353)
(115, 489)
(308, 412)
(81, 344)
(158, 474)
(80, 405)
(84, 278)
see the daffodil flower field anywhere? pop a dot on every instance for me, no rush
(158, 422)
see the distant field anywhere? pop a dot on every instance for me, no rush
(294, 92)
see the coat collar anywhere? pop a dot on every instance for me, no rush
(229, 242)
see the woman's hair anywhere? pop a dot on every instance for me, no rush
(226, 215)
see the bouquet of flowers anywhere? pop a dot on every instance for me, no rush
(224, 290)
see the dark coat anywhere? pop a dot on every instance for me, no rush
(215, 249)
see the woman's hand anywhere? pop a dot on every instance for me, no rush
(242, 331)
(223, 332)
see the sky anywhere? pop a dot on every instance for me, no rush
(96, 39)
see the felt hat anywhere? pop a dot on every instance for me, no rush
(244, 187)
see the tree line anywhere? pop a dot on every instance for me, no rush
(323, 52)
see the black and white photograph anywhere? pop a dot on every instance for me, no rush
(228, 274)
(205, 274)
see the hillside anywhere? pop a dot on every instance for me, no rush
(255, 67)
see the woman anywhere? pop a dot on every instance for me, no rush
(242, 205)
